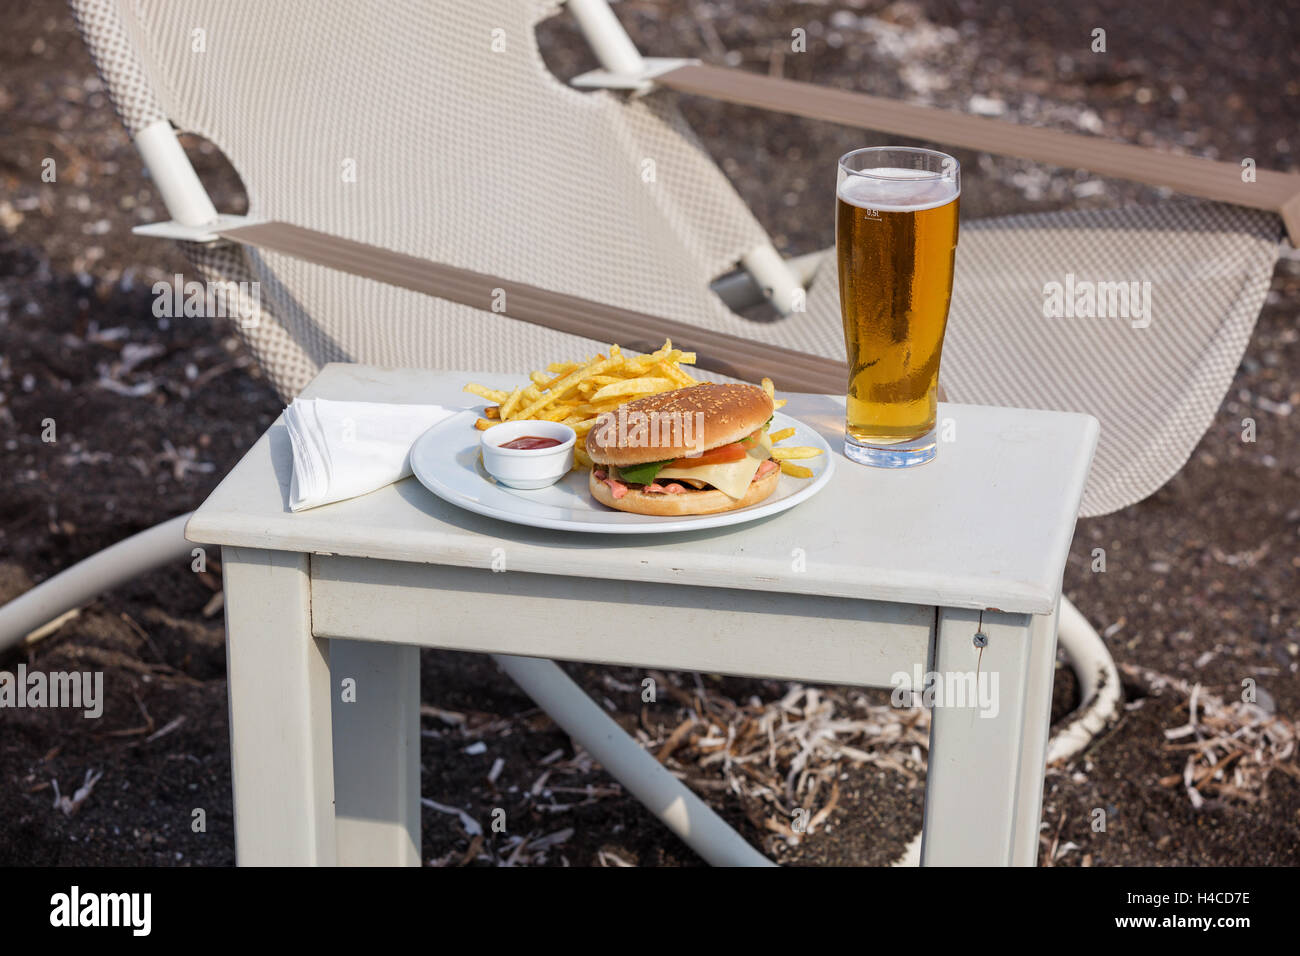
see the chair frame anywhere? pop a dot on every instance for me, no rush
(764, 274)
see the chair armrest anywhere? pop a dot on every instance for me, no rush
(1210, 179)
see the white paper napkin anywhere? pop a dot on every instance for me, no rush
(345, 449)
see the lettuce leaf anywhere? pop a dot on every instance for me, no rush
(641, 474)
(645, 473)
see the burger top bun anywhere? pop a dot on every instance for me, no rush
(728, 414)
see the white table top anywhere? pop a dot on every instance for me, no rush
(986, 525)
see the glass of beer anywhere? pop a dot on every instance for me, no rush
(895, 238)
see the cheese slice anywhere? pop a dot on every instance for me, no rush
(732, 478)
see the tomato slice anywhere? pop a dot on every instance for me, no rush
(723, 454)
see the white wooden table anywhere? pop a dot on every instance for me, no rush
(881, 573)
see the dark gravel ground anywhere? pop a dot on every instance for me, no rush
(1201, 582)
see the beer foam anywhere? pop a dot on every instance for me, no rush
(897, 190)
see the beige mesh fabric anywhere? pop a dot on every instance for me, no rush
(482, 160)
(462, 155)
(111, 49)
(286, 364)
(1155, 390)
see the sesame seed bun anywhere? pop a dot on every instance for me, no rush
(729, 413)
(705, 501)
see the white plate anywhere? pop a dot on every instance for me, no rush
(445, 460)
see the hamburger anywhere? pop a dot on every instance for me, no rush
(694, 451)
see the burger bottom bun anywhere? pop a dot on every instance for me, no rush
(690, 502)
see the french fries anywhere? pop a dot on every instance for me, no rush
(795, 453)
(578, 393)
(509, 404)
(673, 371)
(631, 387)
(491, 394)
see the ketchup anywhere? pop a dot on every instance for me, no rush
(531, 443)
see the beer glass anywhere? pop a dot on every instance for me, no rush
(895, 238)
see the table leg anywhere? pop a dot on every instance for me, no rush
(376, 753)
(1036, 732)
(279, 682)
(973, 783)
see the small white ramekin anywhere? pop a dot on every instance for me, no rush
(528, 468)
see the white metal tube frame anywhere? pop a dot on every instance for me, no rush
(606, 36)
(80, 584)
(626, 761)
(572, 709)
(182, 193)
(680, 809)
(625, 68)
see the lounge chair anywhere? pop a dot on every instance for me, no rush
(433, 131)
